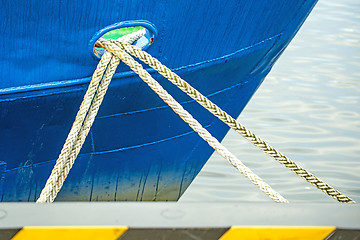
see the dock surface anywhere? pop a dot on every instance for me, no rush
(171, 220)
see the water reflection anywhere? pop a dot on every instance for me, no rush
(315, 121)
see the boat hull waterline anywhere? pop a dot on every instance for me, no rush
(138, 148)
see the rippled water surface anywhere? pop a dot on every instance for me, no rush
(308, 108)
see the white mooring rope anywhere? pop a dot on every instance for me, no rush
(114, 46)
(196, 126)
(79, 130)
(83, 121)
(118, 50)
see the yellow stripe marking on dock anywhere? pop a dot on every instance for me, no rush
(278, 233)
(70, 233)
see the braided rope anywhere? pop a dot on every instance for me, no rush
(56, 179)
(115, 46)
(196, 126)
(83, 122)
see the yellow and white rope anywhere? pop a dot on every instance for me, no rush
(63, 163)
(83, 122)
(88, 111)
(118, 50)
(114, 46)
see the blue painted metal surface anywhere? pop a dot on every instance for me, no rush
(138, 149)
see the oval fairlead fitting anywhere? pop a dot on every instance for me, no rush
(125, 29)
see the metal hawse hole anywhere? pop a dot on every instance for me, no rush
(117, 32)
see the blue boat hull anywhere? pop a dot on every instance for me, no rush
(137, 149)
